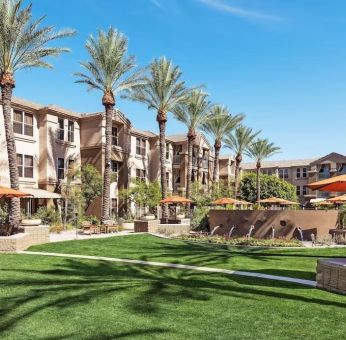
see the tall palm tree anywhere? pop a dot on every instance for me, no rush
(23, 43)
(108, 70)
(259, 151)
(193, 112)
(238, 142)
(162, 91)
(221, 124)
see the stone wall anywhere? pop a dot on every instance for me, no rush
(30, 236)
(286, 222)
(154, 226)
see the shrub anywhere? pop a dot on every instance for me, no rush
(56, 228)
(48, 216)
(4, 213)
(270, 186)
(199, 219)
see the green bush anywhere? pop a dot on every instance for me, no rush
(270, 186)
(199, 219)
(4, 213)
(48, 215)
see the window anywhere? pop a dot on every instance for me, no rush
(176, 176)
(61, 168)
(71, 168)
(267, 171)
(140, 146)
(204, 178)
(283, 173)
(298, 190)
(70, 132)
(177, 149)
(114, 135)
(167, 179)
(167, 151)
(61, 129)
(342, 168)
(20, 164)
(25, 165)
(140, 175)
(114, 165)
(23, 123)
(298, 174)
(304, 172)
(324, 171)
(305, 190)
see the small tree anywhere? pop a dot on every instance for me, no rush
(270, 186)
(91, 183)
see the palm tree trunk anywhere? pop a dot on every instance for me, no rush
(258, 184)
(217, 148)
(190, 141)
(236, 174)
(6, 93)
(162, 120)
(107, 165)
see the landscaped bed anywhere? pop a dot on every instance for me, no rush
(241, 241)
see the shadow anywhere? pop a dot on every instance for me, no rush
(62, 284)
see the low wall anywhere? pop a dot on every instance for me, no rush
(29, 237)
(318, 222)
(154, 226)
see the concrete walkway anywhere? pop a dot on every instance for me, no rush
(177, 266)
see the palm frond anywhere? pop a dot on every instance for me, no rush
(261, 149)
(23, 42)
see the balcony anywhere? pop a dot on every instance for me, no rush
(194, 161)
(176, 159)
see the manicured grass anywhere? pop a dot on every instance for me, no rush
(299, 263)
(56, 298)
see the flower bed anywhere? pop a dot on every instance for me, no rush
(241, 241)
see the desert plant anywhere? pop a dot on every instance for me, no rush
(260, 150)
(161, 91)
(108, 71)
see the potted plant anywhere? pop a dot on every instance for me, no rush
(127, 222)
(29, 220)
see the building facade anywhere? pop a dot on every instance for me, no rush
(301, 172)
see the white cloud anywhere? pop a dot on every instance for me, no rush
(238, 11)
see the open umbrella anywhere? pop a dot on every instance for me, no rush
(11, 193)
(339, 199)
(276, 200)
(176, 200)
(226, 201)
(333, 184)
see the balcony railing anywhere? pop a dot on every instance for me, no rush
(176, 159)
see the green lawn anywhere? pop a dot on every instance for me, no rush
(299, 263)
(56, 298)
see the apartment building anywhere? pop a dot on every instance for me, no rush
(226, 169)
(301, 172)
(47, 142)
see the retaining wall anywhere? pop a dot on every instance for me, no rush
(286, 222)
(29, 237)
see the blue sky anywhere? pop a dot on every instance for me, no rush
(282, 63)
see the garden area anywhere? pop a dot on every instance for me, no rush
(59, 298)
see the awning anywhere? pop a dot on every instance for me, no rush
(40, 193)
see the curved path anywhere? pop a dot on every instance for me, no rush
(177, 266)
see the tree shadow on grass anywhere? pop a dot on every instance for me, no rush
(71, 283)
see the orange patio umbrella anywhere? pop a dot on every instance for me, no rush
(11, 193)
(175, 200)
(333, 184)
(244, 202)
(339, 199)
(226, 201)
(276, 200)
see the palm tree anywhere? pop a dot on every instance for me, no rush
(108, 71)
(194, 112)
(162, 91)
(23, 45)
(238, 142)
(221, 124)
(259, 151)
